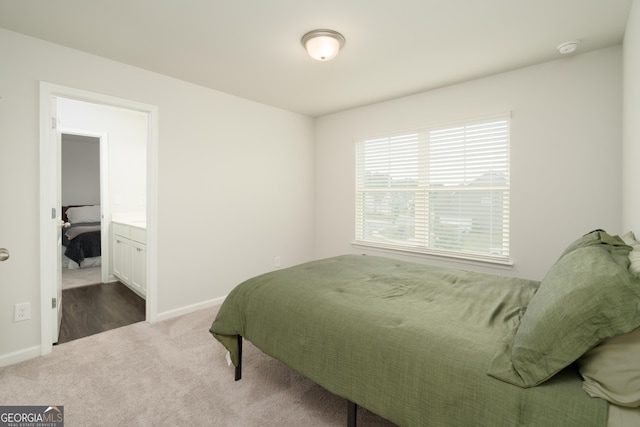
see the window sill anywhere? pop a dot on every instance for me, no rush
(449, 257)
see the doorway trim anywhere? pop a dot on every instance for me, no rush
(48, 92)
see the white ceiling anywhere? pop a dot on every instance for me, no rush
(252, 49)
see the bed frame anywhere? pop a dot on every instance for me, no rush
(352, 408)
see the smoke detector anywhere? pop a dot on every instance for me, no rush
(568, 47)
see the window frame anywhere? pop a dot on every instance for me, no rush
(422, 242)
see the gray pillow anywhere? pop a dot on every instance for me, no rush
(588, 295)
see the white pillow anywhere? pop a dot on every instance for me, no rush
(84, 214)
(611, 370)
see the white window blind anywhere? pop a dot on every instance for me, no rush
(441, 190)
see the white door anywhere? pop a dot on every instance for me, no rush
(56, 223)
(121, 258)
(57, 307)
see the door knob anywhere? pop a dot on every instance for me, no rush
(4, 254)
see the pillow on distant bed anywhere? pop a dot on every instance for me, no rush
(611, 370)
(587, 295)
(634, 255)
(83, 214)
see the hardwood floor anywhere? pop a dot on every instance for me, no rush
(92, 309)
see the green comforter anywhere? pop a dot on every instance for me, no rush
(409, 342)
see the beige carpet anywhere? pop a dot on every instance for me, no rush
(167, 374)
(81, 277)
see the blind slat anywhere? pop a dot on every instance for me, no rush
(442, 190)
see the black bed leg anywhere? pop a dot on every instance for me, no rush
(239, 367)
(352, 409)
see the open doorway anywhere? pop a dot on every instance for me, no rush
(92, 300)
(102, 182)
(65, 110)
(80, 175)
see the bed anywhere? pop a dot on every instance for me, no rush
(423, 345)
(81, 236)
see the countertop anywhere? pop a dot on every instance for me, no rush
(132, 223)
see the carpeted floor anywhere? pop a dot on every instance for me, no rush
(170, 373)
(81, 277)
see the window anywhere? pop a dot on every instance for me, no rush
(441, 191)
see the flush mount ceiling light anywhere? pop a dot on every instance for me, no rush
(568, 47)
(323, 45)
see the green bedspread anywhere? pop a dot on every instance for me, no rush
(409, 342)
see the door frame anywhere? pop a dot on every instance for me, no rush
(48, 251)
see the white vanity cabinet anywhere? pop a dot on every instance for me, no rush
(129, 243)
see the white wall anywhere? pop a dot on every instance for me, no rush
(235, 181)
(126, 133)
(565, 153)
(80, 174)
(631, 123)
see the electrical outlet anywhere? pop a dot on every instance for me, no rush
(276, 262)
(22, 312)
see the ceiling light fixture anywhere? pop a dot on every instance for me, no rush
(323, 45)
(568, 47)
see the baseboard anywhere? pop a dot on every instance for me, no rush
(35, 351)
(20, 356)
(189, 308)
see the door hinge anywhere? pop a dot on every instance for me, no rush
(53, 213)
(53, 122)
(54, 302)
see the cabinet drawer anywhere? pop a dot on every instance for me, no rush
(121, 229)
(139, 235)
